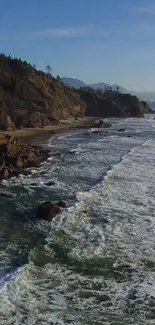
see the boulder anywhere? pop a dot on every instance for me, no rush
(4, 173)
(47, 211)
(101, 124)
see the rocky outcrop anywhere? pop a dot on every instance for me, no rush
(47, 211)
(15, 156)
(30, 119)
(6, 124)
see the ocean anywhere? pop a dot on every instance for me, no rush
(94, 264)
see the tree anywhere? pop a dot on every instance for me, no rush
(48, 70)
(58, 78)
(34, 66)
(117, 89)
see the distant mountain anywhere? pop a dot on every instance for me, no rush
(145, 95)
(76, 83)
(72, 82)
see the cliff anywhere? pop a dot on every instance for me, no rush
(30, 98)
(111, 103)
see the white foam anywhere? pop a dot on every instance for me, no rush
(111, 224)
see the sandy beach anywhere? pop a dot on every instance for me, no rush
(31, 134)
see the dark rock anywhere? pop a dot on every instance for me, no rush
(101, 124)
(47, 211)
(122, 130)
(42, 173)
(62, 204)
(50, 183)
(5, 195)
(96, 132)
(4, 173)
(16, 156)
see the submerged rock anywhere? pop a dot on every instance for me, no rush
(62, 204)
(122, 130)
(47, 211)
(50, 183)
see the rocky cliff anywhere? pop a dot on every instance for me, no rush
(111, 103)
(30, 98)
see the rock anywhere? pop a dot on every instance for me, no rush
(101, 124)
(96, 132)
(50, 183)
(47, 211)
(122, 130)
(4, 173)
(19, 163)
(30, 119)
(5, 195)
(16, 156)
(6, 123)
(62, 204)
(42, 173)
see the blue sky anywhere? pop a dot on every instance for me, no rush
(92, 40)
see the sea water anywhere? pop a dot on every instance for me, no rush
(94, 264)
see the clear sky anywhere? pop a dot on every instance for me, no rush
(93, 40)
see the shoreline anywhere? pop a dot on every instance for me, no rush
(64, 126)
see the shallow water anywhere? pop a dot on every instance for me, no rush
(95, 263)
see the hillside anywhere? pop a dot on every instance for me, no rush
(111, 103)
(30, 98)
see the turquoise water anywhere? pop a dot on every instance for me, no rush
(95, 263)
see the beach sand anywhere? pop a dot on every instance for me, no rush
(31, 134)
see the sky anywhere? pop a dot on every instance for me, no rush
(108, 41)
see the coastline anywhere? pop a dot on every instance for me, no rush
(31, 134)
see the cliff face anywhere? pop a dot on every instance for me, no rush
(31, 98)
(112, 103)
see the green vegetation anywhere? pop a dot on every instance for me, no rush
(29, 97)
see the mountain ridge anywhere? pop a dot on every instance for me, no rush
(77, 83)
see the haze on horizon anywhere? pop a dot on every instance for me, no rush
(94, 41)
